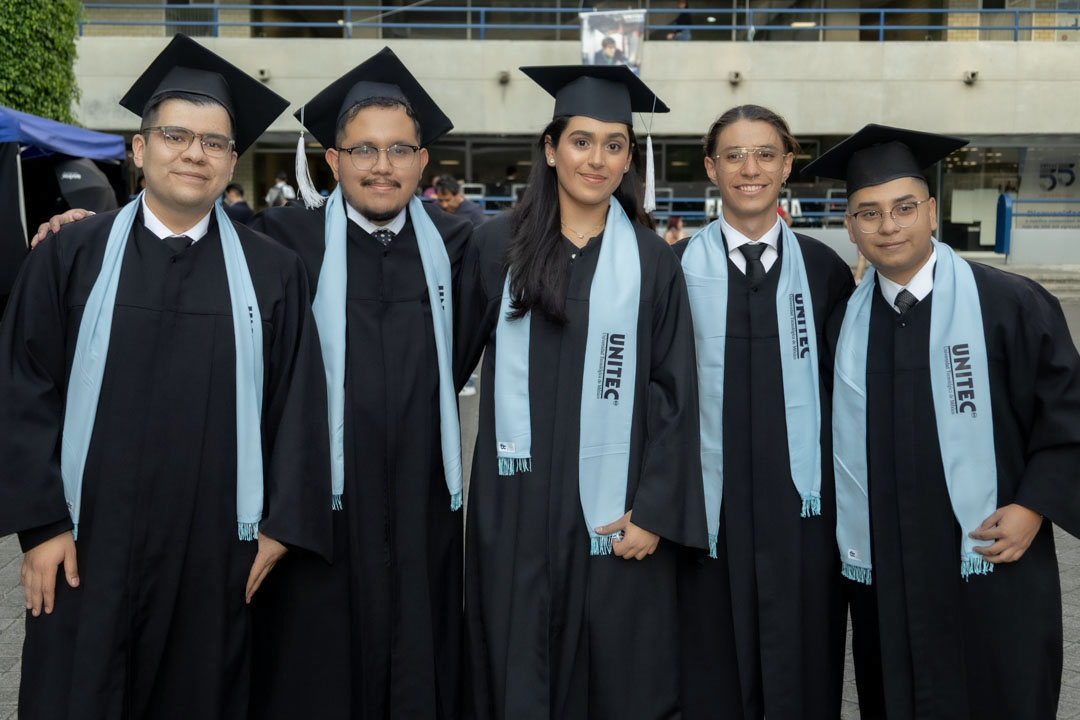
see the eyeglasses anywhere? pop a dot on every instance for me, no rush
(365, 157)
(733, 159)
(904, 214)
(179, 139)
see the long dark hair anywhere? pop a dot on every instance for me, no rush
(750, 112)
(534, 258)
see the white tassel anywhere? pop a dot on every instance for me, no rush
(312, 198)
(650, 177)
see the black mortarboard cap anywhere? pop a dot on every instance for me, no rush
(381, 75)
(186, 66)
(608, 93)
(878, 154)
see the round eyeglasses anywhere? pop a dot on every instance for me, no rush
(904, 214)
(365, 157)
(179, 139)
(734, 158)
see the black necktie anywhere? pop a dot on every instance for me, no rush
(383, 235)
(755, 270)
(905, 301)
(178, 243)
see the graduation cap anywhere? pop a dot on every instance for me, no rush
(382, 75)
(186, 66)
(878, 154)
(608, 93)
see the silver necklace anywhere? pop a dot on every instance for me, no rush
(581, 236)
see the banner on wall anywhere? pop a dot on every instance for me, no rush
(613, 38)
(1050, 174)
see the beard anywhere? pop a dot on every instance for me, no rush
(376, 216)
(372, 214)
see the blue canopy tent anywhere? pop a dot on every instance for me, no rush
(25, 137)
(40, 136)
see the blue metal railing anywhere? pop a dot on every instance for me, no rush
(694, 207)
(709, 23)
(1006, 215)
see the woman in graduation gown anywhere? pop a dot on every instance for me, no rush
(571, 547)
(763, 618)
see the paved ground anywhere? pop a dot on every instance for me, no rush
(12, 612)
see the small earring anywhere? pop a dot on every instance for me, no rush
(551, 161)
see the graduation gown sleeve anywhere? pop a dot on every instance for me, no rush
(471, 328)
(295, 437)
(32, 384)
(670, 499)
(1045, 387)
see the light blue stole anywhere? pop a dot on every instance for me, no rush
(705, 265)
(330, 313)
(960, 383)
(607, 388)
(91, 351)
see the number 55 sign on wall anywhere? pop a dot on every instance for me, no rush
(1050, 174)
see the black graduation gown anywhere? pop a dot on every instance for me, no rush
(158, 626)
(378, 633)
(928, 644)
(552, 632)
(763, 624)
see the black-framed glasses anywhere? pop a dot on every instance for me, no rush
(179, 139)
(365, 157)
(734, 158)
(904, 214)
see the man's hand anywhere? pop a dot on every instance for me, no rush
(1012, 527)
(635, 544)
(270, 551)
(53, 224)
(38, 574)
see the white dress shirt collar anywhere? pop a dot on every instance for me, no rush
(919, 286)
(154, 225)
(369, 227)
(736, 239)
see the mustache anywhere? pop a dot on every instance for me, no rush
(381, 181)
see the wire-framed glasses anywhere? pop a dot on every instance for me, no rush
(904, 214)
(733, 159)
(365, 157)
(179, 139)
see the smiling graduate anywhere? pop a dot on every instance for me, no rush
(956, 431)
(161, 392)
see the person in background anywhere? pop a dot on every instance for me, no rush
(504, 188)
(609, 54)
(280, 190)
(674, 231)
(235, 207)
(682, 19)
(784, 215)
(452, 200)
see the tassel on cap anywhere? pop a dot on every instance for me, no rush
(650, 169)
(650, 177)
(312, 198)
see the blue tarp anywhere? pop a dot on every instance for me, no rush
(49, 136)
